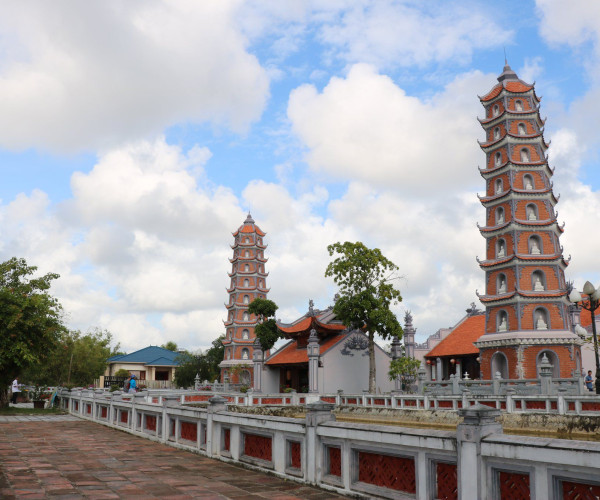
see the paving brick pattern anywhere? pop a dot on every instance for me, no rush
(65, 457)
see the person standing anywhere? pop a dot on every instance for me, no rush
(132, 384)
(588, 381)
(15, 391)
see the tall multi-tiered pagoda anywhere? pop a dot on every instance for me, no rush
(248, 282)
(526, 295)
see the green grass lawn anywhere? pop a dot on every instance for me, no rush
(12, 411)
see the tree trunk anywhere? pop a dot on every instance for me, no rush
(4, 399)
(372, 373)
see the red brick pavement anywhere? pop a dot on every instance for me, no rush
(66, 459)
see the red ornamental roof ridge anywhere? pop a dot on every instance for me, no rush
(459, 341)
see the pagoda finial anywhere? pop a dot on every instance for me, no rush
(505, 59)
(249, 219)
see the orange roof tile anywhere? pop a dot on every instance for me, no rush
(518, 87)
(493, 93)
(459, 341)
(298, 327)
(292, 354)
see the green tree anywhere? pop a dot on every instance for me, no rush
(77, 359)
(266, 330)
(204, 364)
(366, 283)
(31, 320)
(170, 345)
(404, 368)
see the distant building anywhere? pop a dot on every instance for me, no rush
(526, 305)
(148, 364)
(248, 282)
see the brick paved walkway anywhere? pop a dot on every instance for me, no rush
(65, 457)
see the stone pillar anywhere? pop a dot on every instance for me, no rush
(213, 432)
(479, 422)
(396, 353)
(316, 414)
(421, 379)
(313, 349)
(438, 369)
(257, 357)
(546, 375)
(197, 382)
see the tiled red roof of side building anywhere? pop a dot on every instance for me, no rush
(292, 354)
(460, 340)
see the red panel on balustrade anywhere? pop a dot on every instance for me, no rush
(88, 409)
(396, 473)
(255, 401)
(580, 491)
(590, 406)
(351, 401)
(335, 461)
(258, 446)
(288, 401)
(444, 404)
(155, 400)
(189, 431)
(503, 405)
(328, 400)
(518, 404)
(410, 402)
(124, 417)
(296, 455)
(302, 401)
(198, 397)
(535, 405)
(571, 406)
(226, 439)
(103, 412)
(514, 486)
(446, 480)
(553, 405)
(272, 401)
(379, 402)
(76, 406)
(151, 422)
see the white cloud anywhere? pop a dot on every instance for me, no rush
(365, 127)
(79, 75)
(573, 22)
(390, 33)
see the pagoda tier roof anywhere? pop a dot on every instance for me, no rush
(242, 288)
(528, 224)
(248, 245)
(248, 259)
(546, 294)
(249, 227)
(490, 231)
(496, 142)
(506, 114)
(248, 273)
(520, 192)
(513, 163)
(294, 354)
(526, 259)
(459, 342)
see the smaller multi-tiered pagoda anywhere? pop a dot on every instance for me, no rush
(248, 282)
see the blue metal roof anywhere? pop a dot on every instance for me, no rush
(151, 355)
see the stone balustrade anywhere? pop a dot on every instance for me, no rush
(477, 461)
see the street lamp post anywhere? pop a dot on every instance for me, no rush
(591, 304)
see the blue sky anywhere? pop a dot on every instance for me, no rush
(135, 135)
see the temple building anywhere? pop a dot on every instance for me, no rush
(320, 356)
(526, 305)
(248, 282)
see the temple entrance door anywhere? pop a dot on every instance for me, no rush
(294, 377)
